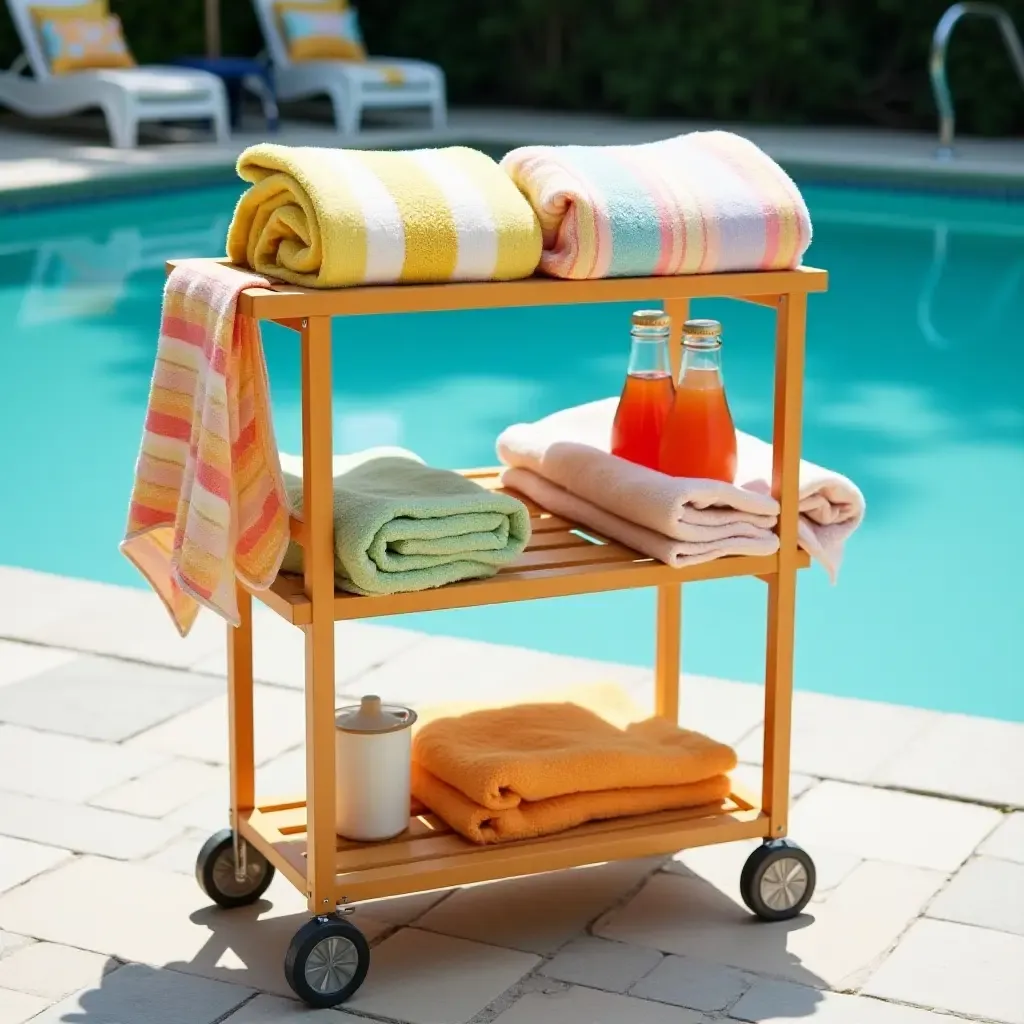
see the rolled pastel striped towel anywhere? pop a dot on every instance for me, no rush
(208, 504)
(329, 218)
(700, 203)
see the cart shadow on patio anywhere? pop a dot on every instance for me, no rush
(246, 949)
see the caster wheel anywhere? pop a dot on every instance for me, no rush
(327, 961)
(215, 872)
(778, 880)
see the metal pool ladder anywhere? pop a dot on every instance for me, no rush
(937, 64)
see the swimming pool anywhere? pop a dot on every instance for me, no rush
(915, 389)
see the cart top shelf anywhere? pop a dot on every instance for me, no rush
(285, 301)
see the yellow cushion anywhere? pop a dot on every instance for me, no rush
(320, 31)
(80, 44)
(92, 10)
(316, 6)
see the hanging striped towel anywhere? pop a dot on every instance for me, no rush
(208, 503)
(696, 204)
(328, 218)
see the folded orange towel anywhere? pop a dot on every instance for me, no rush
(208, 503)
(545, 817)
(499, 757)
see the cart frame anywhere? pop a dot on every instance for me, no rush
(297, 836)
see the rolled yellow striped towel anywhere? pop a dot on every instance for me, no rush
(329, 218)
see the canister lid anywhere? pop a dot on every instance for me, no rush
(371, 716)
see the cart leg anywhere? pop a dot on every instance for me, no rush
(240, 723)
(319, 587)
(789, 366)
(666, 663)
(670, 597)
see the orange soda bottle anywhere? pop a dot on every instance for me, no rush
(699, 439)
(647, 394)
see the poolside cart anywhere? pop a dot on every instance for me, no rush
(328, 958)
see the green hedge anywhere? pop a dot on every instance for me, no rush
(848, 62)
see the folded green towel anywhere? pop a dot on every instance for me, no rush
(400, 525)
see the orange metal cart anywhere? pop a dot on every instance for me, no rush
(329, 957)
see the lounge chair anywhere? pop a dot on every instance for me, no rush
(126, 96)
(353, 86)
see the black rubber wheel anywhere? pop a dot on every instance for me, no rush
(327, 961)
(778, 880)
(215, 872)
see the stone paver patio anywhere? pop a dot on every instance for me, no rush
(112, 773)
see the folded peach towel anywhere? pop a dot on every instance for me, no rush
(546, 817)
(208, 502)
(743, 540)
(499, 773)
(571, 449)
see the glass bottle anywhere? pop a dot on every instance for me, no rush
(699, 439)
(647, 394)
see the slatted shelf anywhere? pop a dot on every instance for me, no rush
(430, 855)
(561, 559)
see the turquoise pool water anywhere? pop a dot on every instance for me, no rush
(915, 389)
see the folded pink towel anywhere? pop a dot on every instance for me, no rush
(677, 553)
(681, 520)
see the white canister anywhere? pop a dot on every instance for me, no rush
(373, 754)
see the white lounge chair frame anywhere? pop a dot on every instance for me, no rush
(352, 86)
(127, 96)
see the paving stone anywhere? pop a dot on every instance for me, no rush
(1007, 842)
(401, 910)
(16, 1007)
(202, 733)
(180, 855)
(19, 661)
(137, 994)
(51, 971)
(420, 978)
(30, 601)
(284, 775)
(584, 1006)
(699, 986)
(66, 767)
(279, 650)
(131, 622)
(10, 942)
(841, 738)
(158, 792)
(442, 669)
(832, 945)
(103, 698)
(82, 829)
(207, 813)
(277, 1010)
(901, 828)
(955, 967)
(959, 755)
(178, 927)
(506, 913)
(598, 963)
(986, 892)
(779, 1002)
(20, 860)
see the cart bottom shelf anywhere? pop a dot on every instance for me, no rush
(429, 855)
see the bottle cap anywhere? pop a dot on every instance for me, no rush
(651, 318)
(702, 328)
(370, 715)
